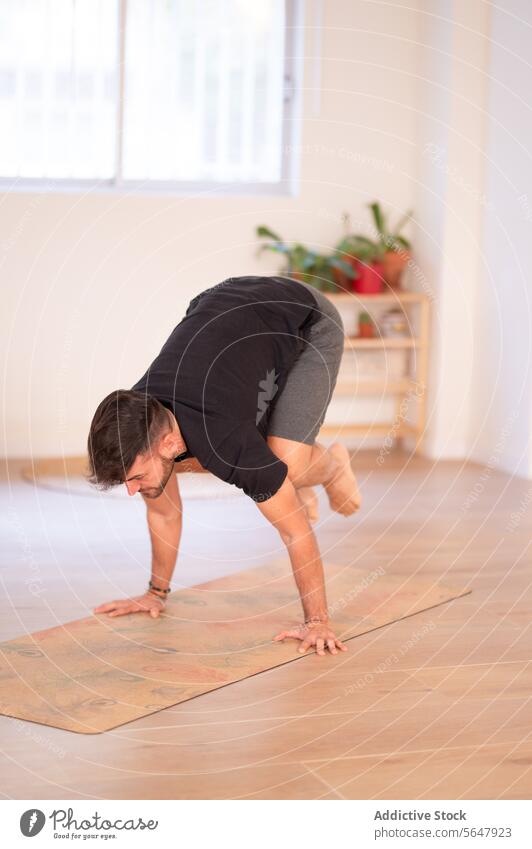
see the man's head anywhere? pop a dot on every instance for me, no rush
(133, 439)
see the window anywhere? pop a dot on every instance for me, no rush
(144, 93)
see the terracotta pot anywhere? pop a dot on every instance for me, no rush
(297, 275)
(366, 330)
(305, 278)
(370, 278)
(343, 282)
(393, 265)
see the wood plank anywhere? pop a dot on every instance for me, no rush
(501, 771)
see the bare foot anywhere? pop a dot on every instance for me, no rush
(309, 499)
(342, 488)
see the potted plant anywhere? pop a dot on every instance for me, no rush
(366, 327)
(378, 260)
(396, 249)
(365, 255)
(307, 265)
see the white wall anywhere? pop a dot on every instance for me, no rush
(474, 200)
(502, 386)
(420, 107)
(92, 284)
(449, 250)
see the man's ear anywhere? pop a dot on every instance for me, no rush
(171, 444)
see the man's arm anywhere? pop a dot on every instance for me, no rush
(164, 515)
(285, 511)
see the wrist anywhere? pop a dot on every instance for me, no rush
(161, 595)
(160, 599)
(160, 587)
(316, 620)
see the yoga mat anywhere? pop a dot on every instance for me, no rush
(97, 673)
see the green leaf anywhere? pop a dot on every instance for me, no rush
(402, 221)
(343, 266)
(360, 247)
(378, 218)
(299, 257)
(266, 233)
(402, 242)
(277, 247)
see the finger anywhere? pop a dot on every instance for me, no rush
(155, 612)
(289, 635)
(103, 608)
(281, 636)
(331, 645)
(123, 611)
(341, 645)
(320, 646)
(305, 645)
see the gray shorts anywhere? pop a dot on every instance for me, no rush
(301, 406)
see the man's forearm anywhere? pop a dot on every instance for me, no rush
(165, 535)
(308, 573)
(285, 511)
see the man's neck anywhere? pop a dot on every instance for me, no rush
(181, 447)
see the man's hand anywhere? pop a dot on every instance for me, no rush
(147, 603)
(314, 634)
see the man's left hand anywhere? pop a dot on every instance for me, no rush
(315, 634)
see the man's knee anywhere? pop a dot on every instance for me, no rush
(296, 455)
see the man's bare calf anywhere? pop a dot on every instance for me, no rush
(311, 465)
(309, 499)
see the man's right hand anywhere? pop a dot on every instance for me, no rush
(147, 603)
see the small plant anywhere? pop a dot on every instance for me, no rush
(366, 326)
(306, 264)
(360, 247)
(367, 250)
(390, 240)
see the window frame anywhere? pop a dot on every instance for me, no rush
(289, 180)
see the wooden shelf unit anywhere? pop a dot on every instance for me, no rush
(398, 386)
(381, 342)
(392, 298)
(366, 387)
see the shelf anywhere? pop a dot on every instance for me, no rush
(383, 297)
(364, 387)
(381, 342)
(381, 429)
(403, 383)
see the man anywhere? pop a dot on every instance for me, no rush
(240, 388)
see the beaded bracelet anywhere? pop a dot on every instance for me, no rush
(158, 589)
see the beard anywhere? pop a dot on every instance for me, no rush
(168, 468)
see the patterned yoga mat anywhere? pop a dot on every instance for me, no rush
(97, 673)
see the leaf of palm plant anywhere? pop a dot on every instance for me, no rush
(401, 223)
(378, 218)
(404, 243)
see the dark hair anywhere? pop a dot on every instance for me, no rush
(125, 424)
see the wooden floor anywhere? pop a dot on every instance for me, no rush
(437, 706)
